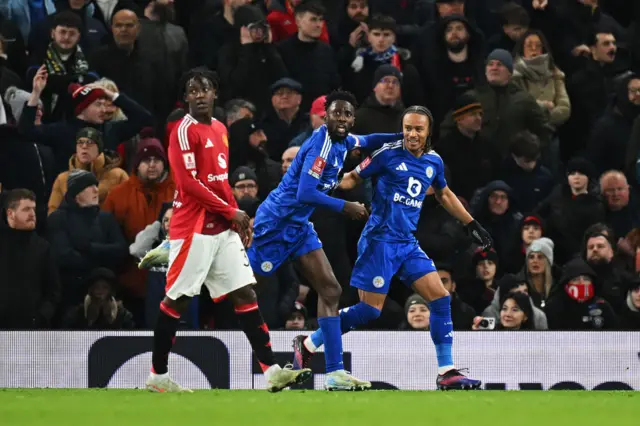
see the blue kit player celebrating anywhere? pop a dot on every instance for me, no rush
(403, 170)
(282, 229)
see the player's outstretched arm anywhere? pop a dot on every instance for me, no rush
(373, 141)
(350, 180)
(452, 204)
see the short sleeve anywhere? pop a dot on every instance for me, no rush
(372, 165)
(439, 181)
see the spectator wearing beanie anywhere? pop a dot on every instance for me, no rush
(510, 283)
(417, 314)
(82, 237)
(89, 109)
(571, 208)
(576, 305)
(538, 270)
(244, 183)
(531, 228)
(359, 65)
(382, 110)
(472, 160)
(249, 64)
(478, 290)
(90, 156)
(508, 110)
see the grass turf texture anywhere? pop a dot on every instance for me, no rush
(111, 407)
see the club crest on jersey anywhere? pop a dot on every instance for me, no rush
(189, 160)
(378, 282)
(429, 172)
(222, 160)
(266, 266)
(318, 167)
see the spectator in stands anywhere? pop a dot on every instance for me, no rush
(30, 283)
(576, 304)
(25, 17)
(137, 73)
(250, 64)
(358, 66)
(286, 119)
(316, 119)
(531, 228)
(65, 63)
(516, 313)
(244, 184)
(8, 77)
(610, 136)
(461, 313)
(536, 73)
(248, 147)
(453, 66)
(613, 280)
(523, 171)
(285, 18)
(572, 207)
(622, 210)
(630, 311)
(100, 310)
(82, 237)
(308, 59)
(538, 270)
(13, 45)
(508, 284)
(515, 23)
(89, 109)
(237, 109)
(417, 314)
(297, 320)
(382, 110)
(472, 160)
(90, 156)
(479, 289)
(496, 210)
(410, 16)
(351, 27)
(287, 158)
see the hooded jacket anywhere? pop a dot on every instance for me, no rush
(373, 117)
(493, 311)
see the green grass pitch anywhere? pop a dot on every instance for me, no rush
(108, 407)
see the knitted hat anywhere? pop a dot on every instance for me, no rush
(466, 104)
(242, 173)
(385, 70)
(479, 255)
(78, 181)
(247, 15)
(92, 134)
(149, 147)
(503, 57)
(414, 299)
(544, 246)
(580, 165)
(83, 96)
(318, 107)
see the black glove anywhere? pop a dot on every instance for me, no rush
(479, 235)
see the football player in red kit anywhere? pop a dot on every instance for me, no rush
(208, 237)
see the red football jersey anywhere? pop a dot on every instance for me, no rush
(199, 158)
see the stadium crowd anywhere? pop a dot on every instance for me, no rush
(536, 103)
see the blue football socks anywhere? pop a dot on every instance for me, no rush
(330, 327)
(442, 332)
(350, 318)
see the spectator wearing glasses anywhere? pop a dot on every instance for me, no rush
(90, 156)
(244, 184)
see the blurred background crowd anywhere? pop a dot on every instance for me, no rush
(536, 104)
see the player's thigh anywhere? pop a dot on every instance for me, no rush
(419, 272)
(372, 299)
(374, 268)
(317, 270)
(271, 248)
(231, 269)
(189, 262)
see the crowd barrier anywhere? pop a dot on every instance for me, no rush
(391, 360)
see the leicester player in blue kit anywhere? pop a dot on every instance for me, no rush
(282, 229)
(403, 170)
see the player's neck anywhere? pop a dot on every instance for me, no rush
(416, 154)
(201, 118)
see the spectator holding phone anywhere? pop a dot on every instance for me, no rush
(516, 313)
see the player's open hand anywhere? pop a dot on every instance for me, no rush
(241, 220)
(356, 211)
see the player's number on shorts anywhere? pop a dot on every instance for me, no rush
(415, 187)
(246, 258)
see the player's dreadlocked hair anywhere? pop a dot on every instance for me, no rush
(419, 109)
(199, 73)
(340, 95)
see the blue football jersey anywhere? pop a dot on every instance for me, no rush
(401, 183)
(322, 159)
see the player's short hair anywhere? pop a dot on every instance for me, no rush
(340, 95)
(12, 198)
(525, 145)
(311, 6)
(422, 110)
(198, 73)
(67, 19)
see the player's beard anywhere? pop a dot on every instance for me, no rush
(164, 12)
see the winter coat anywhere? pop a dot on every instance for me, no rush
(104, 167)
(529, 187)
(544, 85)
(629, 315)
(113, 317)
(30, 284)
(18, 12)
(493, 311)
(83, 239)
(461, 314)
(372, 117)
(438, 233)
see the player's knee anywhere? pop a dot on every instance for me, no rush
(175, 308)
(330, 292)
(243, 296)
